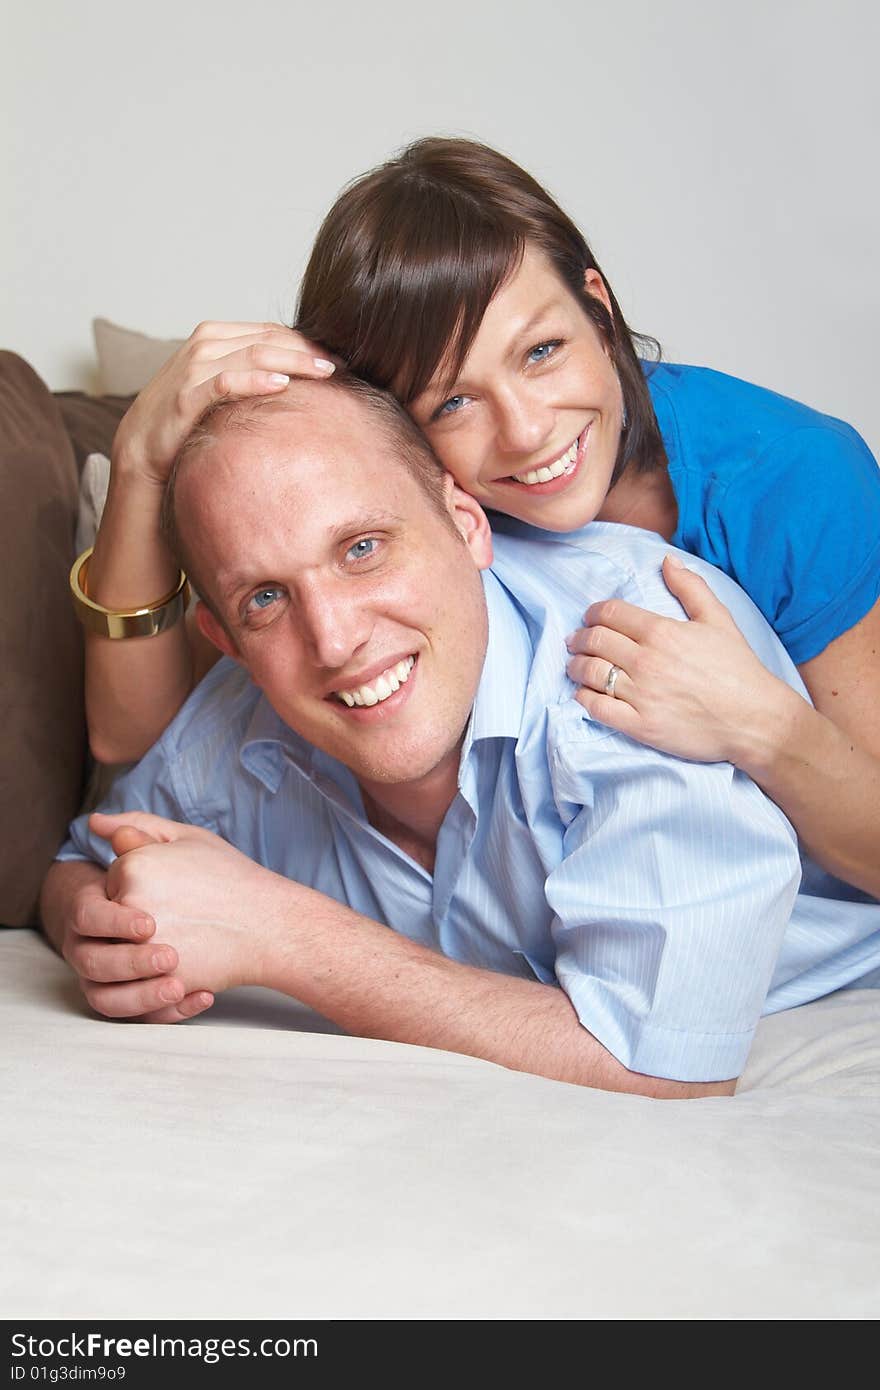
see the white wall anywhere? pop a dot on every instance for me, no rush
(166, 162)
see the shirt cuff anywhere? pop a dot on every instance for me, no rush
(675, 1054)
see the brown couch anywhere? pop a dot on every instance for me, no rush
(45, 438)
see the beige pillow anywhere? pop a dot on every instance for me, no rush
(128, 360)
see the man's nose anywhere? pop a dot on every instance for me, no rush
(524, 420)
(334, 623)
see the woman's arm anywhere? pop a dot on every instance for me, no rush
(134, 687)
(698, 691)
(822, 765)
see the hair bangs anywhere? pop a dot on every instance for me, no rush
(420, 268)
(431, 290)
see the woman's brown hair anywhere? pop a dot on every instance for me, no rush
(410, 255)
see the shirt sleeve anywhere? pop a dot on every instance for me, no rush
(670, 903)
(803, 531)
(149, 786)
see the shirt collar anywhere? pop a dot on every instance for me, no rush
(498, 707)
(268, 744)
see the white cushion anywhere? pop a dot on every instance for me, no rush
(249, 1165)
(93, 486)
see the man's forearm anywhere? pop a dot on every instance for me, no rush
(230, 922)
(376, 983)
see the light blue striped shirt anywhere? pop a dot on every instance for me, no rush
(662, 895)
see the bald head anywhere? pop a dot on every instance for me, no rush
(321, 406)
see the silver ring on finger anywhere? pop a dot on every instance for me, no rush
(611, 681)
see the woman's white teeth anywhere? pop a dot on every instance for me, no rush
(553, 470)
(380, 689)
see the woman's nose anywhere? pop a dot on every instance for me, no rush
(525, 421)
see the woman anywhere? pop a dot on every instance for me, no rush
(450, 277)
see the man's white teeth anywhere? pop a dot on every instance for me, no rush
(380, 689)
(553, 470)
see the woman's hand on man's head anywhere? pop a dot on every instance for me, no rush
(219, 361)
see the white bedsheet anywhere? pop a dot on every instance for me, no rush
(251, 1165)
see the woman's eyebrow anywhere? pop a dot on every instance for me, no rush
(438, 391)
(528, 327)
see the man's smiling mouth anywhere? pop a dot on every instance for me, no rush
(382, 687)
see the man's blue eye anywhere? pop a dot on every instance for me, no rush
(264, 597)
(361, 549)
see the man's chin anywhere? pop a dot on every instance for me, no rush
(398, 774)
(402, 764)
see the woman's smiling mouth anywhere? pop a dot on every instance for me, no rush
(553, 477)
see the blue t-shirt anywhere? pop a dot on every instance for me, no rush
(784, 500)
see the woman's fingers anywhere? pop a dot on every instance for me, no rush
(217, 362)
(594, 650)
(693, 593)
(594, 673)
(605, 709)
(219, 328)
(604, 642)
(241, 333)
(257, 369)
(281, 350)
(615, 614)
(232, 384)
(255, 365)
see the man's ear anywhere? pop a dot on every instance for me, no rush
(471, 523)
(211, 627)
(595, 285)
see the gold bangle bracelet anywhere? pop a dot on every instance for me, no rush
(119, 623)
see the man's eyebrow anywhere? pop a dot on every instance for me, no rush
(364, 521)
(343, 531)
(236, 584)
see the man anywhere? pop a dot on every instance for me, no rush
(443, 838)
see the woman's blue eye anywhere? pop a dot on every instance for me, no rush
(451, 406)
(542, 351)
(362, 549)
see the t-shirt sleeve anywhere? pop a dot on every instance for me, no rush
(802, 528)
